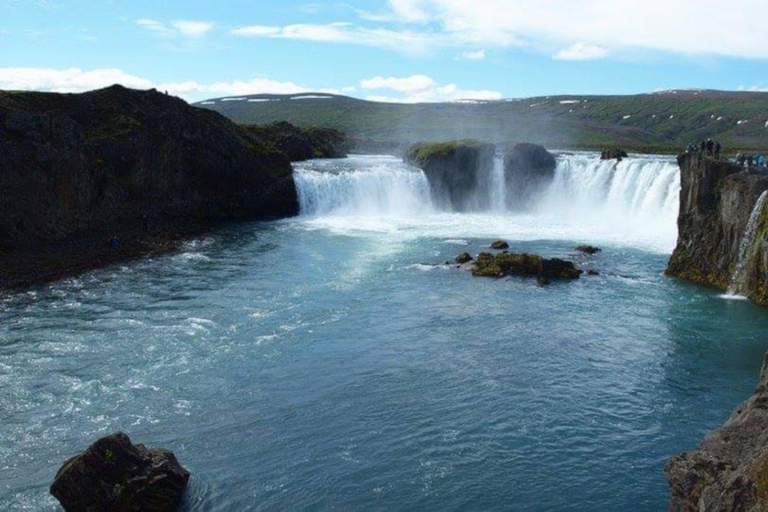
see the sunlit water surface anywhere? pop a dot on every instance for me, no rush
(333, 361)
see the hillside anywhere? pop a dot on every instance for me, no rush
(663, 121)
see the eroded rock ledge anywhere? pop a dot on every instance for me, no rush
(729, 470)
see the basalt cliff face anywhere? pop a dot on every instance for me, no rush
(717, 199)
(729, 470)
(459, 172)
(454, 169)
(82, 163)
(529, 169)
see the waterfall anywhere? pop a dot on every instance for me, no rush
(498, 185)
(636, 188)
(367, 186)
(737, 285)
(635, 200)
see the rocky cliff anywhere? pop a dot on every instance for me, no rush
(529, 169)
(96, 161)
(455, 170)
(729, 470)
(716, 201)
(301, 143)
(140, 166)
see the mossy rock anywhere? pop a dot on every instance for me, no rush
(463, 258)
(499, 245)
(531, 265)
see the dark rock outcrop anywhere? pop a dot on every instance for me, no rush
(301, 143)
(455, 170)
(530, 265)
(588, 249)
(463, 258)
(716, 200)
(528, 170)
(74, 163)
(729, 470)
(613, 154)
(499, 245)
(114, 474)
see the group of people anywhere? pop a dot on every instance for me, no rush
(751, 160)
(707, 147)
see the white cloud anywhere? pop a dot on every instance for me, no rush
(404, 41)
(701, 27)
(155, 26)
(408, 84)
(422, 89)
(753, 88)
(582, 51)
(78, 80)
(182, 28)
(411, 89)
(192, 28)
(478, 55)
(67, 80)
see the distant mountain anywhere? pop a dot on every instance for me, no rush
(661, 121)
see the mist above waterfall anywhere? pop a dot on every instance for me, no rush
(633, 202)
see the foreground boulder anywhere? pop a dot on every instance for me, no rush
(729, 470)
(529, 169)
(115, 475)
(456, 170)
(531, 265)
(717, 198)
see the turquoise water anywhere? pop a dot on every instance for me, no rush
(333, 361)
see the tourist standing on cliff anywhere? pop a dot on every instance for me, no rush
(710, 147)
(718, 148)
(702, 147)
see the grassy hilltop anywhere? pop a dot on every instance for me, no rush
(664, 121)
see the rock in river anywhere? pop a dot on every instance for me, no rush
(113, 474)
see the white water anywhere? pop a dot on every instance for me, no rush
(498, 186)
(631, 203)
(736, 288)
(361, 186)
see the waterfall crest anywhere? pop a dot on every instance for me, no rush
(635, 200)
(738, 284)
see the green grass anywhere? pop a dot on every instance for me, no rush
(661, 122)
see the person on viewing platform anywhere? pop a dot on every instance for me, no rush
(710, 147)
(718, 148)
(702, 147)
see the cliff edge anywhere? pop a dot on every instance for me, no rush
(717, 198)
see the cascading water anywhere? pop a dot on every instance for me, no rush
(498, 185)
(737, 285)
(362, 186)
(638, 188)
(634, 201)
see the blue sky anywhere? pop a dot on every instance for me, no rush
(398, 50)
